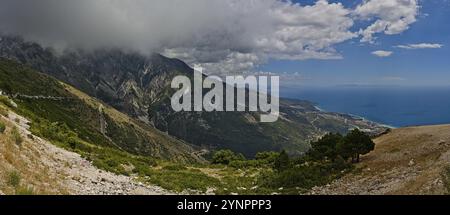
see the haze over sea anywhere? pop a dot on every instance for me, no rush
(393, 106)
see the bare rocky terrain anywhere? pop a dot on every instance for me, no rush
(48, 169)
(412, 160)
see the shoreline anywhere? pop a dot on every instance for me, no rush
(317, 107)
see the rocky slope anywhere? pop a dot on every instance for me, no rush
(44, 168)
(64, 114)
(414, 160)
(139, 86)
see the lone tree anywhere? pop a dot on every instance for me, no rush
(356, 143)
(282, 162)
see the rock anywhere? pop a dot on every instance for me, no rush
(411, 163)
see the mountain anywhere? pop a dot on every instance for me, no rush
(411, 160)
(60, 112)
(139, 86)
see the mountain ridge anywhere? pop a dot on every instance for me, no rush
(46, 101)
(140, 87)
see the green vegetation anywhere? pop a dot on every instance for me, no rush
(2, 127)
(327, 160)
(6, 101)
(13, 179)
(25, 190)
(282, 162)
(226, 157)
(124, 147)
(180, 180)
(3, 111)
(16, 137)
(355, 144)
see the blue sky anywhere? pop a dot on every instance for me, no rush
(418, 67)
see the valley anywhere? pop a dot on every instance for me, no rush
(59, 140)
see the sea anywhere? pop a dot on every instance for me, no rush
(395, 106)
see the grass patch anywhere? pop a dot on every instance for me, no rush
(2, 127)
(13, 179)
(3, 111)
(182, 180)
(6, 101)
(16, 137)
(25, 190)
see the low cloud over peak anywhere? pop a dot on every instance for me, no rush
(221, 35)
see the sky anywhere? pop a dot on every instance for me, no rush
(404, 66)
(307, 42)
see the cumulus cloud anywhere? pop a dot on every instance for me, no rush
(391, 16)
(220, 35)
(381, 53)
(421, 46)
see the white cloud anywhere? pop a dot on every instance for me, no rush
(391, 16)
(381, 53)
(221, 35)
(421, 46)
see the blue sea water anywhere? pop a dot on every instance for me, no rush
(393, 106)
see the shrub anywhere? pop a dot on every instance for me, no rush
(183, 180)
(73, 142)
(225, 157)
(3, 111)
(5, 100)
(8, 102)
(268, 157)
(2, 127)
(175, 167)
(16, 137)
(14, 179)
(282, 162)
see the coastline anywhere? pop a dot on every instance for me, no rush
(354, 116)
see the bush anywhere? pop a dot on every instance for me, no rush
(183, 180)
(268, 157)
(282, 162)
(3, 111)
(175, 167)
(225, 157)
(14, 179)
(16, 137)
(5, 100)
(2, 127)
